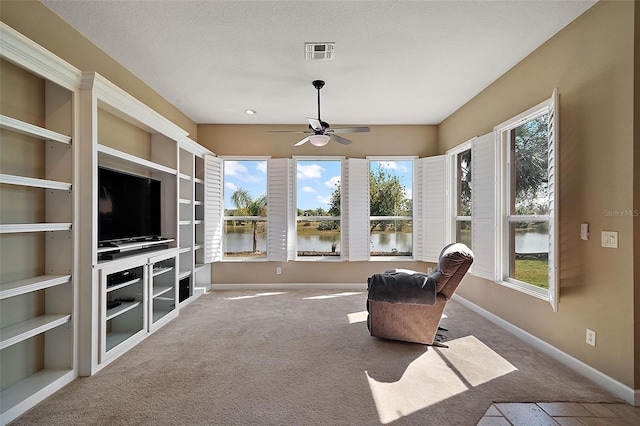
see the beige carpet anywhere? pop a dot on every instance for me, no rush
(305, 357)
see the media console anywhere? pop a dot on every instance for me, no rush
(117, 250)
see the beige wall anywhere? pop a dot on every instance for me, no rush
(228, 139)
(41, 25)
(636, 194)
(591, 64)
(237, 140)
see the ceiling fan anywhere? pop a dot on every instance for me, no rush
(320, 131)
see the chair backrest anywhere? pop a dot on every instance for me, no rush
(454, 261)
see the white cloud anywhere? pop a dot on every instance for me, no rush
(230, 186)
(311, 171)
(393, 166)
(325, 200)
(333, 182)
(309, 189)
(262, 167)
(234, 168)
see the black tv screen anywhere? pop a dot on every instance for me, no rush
(128, 206)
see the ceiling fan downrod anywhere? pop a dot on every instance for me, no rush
(318, 84)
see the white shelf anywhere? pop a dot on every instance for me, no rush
(184, 201)
(159, 291)
(158, 315)
(184, 274)
(26, 329)
(185, 249)
(29, 285)
(27, 388)
(28, 129)
(184, 176)
(120, 156)
(121, 309)
(34, 182)
(159, 271)
(124, 284)
(184, 223)
(135, 245)
(114, 339)
(14, 228)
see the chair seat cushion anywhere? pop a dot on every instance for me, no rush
(402, 287)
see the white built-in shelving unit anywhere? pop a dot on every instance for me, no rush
(194, 275)
(65, 310)
(154, 148)
(38, 269)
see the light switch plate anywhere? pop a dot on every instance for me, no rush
(609, 239)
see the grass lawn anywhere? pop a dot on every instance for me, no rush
(533, 272)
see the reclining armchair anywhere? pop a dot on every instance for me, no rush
(407, 305)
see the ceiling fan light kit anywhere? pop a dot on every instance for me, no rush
(319, 140)
(321, 132)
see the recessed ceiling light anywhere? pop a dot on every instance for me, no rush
(250, 111)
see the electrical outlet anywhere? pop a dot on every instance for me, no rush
(278, 270)
(591, 337)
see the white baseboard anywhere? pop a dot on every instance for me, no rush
(290, 286)
(615, 387)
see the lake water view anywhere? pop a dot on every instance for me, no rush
(526, 242)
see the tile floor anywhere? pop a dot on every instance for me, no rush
(560, 413)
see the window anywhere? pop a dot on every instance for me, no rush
(527, 214)
(391, 207)
(245, 208)
(318, 219)
(527, 240)
(462, 197)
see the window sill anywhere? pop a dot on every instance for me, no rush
(319, 259)
(531, 290)
(391, 259)
(243, 259)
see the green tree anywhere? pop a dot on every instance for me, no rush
(464, 159)
(387, 198)
(246, 205)
(531, 144)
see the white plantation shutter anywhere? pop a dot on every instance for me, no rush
(280, 222)
(483, 206)
(212, 208)
(434, 207)
(354, 210)
(553, 130)
(418, 210)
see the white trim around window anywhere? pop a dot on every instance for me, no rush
(506, 216)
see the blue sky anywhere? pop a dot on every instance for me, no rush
(316, 179)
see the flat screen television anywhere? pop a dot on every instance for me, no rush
(129, 206)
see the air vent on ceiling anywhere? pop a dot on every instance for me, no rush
(322, 51)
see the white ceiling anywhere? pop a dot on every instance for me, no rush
(396, 62)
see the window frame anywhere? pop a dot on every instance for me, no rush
(225, 218)
(503, 202)
(454, 189)
(414, 208)
(296, 219)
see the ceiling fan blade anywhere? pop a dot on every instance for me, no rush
(362, 129)
(315, 123)
(302, 141)
(340, 139)
(289, 131)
